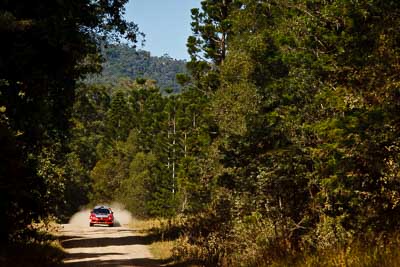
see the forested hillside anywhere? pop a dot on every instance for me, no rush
(281, 149)
(123, 61)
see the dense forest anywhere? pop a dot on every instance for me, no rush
(123, 61)
(47, 46)
(281, 149)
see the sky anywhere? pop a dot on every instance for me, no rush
(166, 24)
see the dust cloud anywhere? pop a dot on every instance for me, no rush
(121, 216)
(80, 218)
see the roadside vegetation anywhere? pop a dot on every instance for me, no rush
(162, 245)
(163, 236)
(171, 247)
(38, 246)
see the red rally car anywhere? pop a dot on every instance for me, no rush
(102, 215)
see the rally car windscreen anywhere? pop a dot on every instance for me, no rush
(101, 211)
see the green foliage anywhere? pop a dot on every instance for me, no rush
(282, 146)
(118, 118)
(182, 79)
(206, 233)
(136, 190)
(122, 61)
(207, 46)
(46, 48)
(232, 105)
(211, 27)
(306, 105)
(50, 169)
(20, 188)
(133, 145)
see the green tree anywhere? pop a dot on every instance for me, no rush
(304, 151)
(86, 139)
(118, 117)
(137, 189)
(47, 47)
(211, 28)
(109, 173)
(123, 61)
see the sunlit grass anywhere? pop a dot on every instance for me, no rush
(162, 250)
(162, 234)
(147, 225)
(373, 253)
(357, 255)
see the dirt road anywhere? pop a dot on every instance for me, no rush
(104, 246)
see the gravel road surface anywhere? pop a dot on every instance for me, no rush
(103, 245)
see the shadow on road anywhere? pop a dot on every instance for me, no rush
(76, 256)
(90, 259)
(106, 246)
(145, 262)
(106, 241)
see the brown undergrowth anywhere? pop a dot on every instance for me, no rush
(163, 235)
(36, 247)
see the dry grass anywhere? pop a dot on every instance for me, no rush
(162, 250)
(161, 247)
(367, 253)
(357, 256)
(163, 235)
(147, 225)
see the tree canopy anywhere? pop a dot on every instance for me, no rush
(282, 143)
(47, 46)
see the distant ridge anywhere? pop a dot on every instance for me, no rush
(123, 61)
